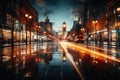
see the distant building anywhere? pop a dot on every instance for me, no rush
(64, 32)
(46, 25)
(77, 25)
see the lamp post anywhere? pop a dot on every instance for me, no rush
(95, 23)
(63, 28)
(38, 28)
(28, 17)
(37, 33)
(81, 35)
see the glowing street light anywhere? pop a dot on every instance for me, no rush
(95, 23)
(63, 28)
(28, 17)
(118, 9)
(38, 28)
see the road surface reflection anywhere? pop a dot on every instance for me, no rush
(45, 60)
(16, 62)
(92, 52)
(92, 62)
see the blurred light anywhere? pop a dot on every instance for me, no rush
(92, 52)
(14, 55)
(64, 47)
(24, 53)
(94, 21)
(63, 58)
(106, 61)
(80, 22)
(118, 67)
(26, 15)
(119, 15)
(118, 9)
(80, 60)
(30, 17)
(6, 58)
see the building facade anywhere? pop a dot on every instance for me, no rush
(13, 21)
(107, 26)
(113, 20)
(47, 28)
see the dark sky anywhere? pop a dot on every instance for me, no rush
(59, 11)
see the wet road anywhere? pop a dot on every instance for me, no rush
(45, 61)
(95, 63)
(68, 61)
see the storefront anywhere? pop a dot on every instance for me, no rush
(114, 35)
(7, 36)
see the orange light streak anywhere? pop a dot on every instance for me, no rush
(110, 50)
(70, 57)
(78, 47)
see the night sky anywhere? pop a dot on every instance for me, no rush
(58, 11)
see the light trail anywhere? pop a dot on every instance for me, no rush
(110, 50)
(73, 63)
(95, 47)
(78, 47)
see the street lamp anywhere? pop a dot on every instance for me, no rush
(64, 28)
(28, 17)
(95, 23)
(38, 30)
(37, 33)
(118, 9)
